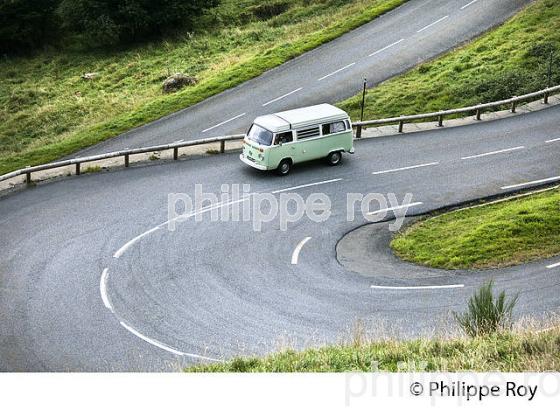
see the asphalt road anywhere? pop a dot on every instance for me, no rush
(92, 279)
(415, 32)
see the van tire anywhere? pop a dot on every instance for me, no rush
(334, 158)
(284, 167)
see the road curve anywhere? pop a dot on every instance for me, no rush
(391, 44)
(92, 280)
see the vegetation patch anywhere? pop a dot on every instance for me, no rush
(510, 60)
(47, 110)
(505, 352)
(496, 235)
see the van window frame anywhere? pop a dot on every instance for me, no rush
(276, 134)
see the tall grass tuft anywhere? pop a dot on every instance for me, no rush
(487, 314)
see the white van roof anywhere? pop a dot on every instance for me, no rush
(301, 117)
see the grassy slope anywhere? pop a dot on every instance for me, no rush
(496, 235)
(47, 110)
(504, 352)
(510, 60)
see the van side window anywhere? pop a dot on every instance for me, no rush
(284, 137)
(334, 127)
(308, 133)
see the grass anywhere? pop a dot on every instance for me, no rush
(491, 236)
(47, 110)
(509, 60)
(506, 352)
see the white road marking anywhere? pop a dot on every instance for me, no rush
(282, 96)
(127, 245)
(553, 140)
(429, 164)
(224, 122)
(103, 289)
(164, 346)
(538, 181)
(494, 152)
(417, 287)
(386, 47)
(394, 208)
(432, 24)
(307, 185)
(295, 254)
(468, 4)
(554, 265)
(337, 71)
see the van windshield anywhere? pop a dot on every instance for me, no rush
(259, 135)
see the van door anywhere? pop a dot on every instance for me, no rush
(309, 143)
(284, 147)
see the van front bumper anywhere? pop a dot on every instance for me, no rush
(251, 163)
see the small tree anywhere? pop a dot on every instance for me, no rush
(487, 314)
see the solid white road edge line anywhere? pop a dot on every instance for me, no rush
(554, 265)
(386, 47)
(468, 4)
(297, 250)
(307, 185)
(165, 347)
(552, 140)
(224, 122)
(337, 71)
(405, 168)
(494, 152)
(538, 181)
(394, 208)
(282, 96)
(103, 289)
(417, 287)
(432, 24)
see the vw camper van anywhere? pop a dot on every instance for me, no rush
(278, 141)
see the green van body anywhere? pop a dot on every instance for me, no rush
(315, 132)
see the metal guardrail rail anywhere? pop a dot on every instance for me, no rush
(478, 109)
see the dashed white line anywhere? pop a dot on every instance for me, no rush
(386, 47)
(336, 72)
(429, 164)
(127, 245)
(494, 152)
(307, 185)
(468, 4)
(394, 208)
(297, 250)
(417, 287)
(432, 24)
(538, 181)
(554, 265)
(282, 96)
(164, 346)
(552, 140)
(103, 289)
(224, 122)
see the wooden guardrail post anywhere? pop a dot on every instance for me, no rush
(222, 147)
(175, 153)
(359, 131)
(77, 168)
(478, 113)
(513, 106)
(440, 121)
(126, 160)
(401, 126)
(545, 98)
(28, 176)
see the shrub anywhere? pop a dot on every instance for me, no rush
(487, 314)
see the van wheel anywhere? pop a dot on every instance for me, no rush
(334, 158)
(284, 167)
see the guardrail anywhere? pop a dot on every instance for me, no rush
(478, 109)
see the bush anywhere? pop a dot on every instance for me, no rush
(486, 314)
